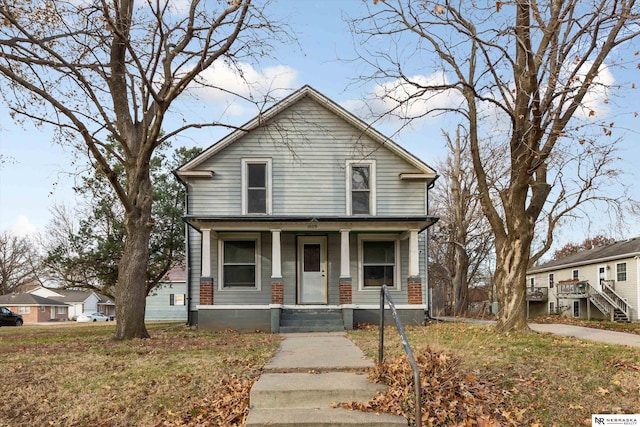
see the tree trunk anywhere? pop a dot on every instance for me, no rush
(132, 269)
(460, 281)
(512, 256)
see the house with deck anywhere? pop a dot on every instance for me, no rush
(600, 283)
(297, 219)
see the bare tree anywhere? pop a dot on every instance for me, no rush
(462, 240)
(113, 69)
(18, 262)
(525, 76)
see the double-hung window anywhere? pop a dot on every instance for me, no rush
(551, 280)
(361, 188)
(239, 262)
(379, 262)
(256, 186)
(621, 272)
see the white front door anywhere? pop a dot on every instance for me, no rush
(312, 270)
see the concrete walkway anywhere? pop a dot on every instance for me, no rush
(305, 379)
(589, 334)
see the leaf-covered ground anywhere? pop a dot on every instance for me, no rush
(76, 376)
(474, 377)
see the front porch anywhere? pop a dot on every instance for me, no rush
(255, 276)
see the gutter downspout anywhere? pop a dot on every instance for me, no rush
(426, 288)
(187, 254)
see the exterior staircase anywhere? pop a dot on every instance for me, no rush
(311, 320)
(302, 399)
(309, 374)
(606, 300)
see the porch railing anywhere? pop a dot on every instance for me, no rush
(616, 299)
(575, 288)
(384, 293)
(537, 294)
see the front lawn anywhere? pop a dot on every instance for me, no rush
(531, 379)
(74, 375)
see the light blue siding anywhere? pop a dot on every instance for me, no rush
(158, 303)
(309, 168)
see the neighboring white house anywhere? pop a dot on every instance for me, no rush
(79, 301)
(305, 210)
(168, 301)
(603, 282)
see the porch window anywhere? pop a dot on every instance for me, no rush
(239, 262)
(361, 198)
(621, 272)
(61, 310)
(256, 186)
(379, 262)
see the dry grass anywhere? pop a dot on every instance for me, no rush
(556, 381)
(76, 376)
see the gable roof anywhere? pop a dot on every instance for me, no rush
(67, 295)
(614, 251)
(307, 92)
(29, 299)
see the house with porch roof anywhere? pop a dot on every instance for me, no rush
(297, 219)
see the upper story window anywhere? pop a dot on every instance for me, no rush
(256, 186)
(361, 187)
(575, 275)
(551, 280)
(621, 272)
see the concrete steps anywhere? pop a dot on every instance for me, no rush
(318, 320)
(302, 399)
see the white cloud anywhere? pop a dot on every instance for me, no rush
(221, 83)
(403, 100)
(23, 228)
(596, 99)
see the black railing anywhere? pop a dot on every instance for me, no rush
(384, 293)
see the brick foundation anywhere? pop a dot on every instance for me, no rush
(346, 293)
(414, 291)
(206, 291)
(277, 293)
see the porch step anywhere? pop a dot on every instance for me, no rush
(301, 390)
(620, 316)
(300, 399)
(312, 320)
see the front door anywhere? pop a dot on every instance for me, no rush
(312, 270)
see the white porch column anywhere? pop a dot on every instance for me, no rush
(345, 260)
(276, 258)
(414, 254)
(206, 253)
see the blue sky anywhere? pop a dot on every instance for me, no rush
(38, 174)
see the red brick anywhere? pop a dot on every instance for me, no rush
(414, 291)
(346, 296)
(277, 293)
(206, 291)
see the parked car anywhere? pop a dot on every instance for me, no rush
(9, 318)
(92, 317)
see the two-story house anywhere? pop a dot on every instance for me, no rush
(305, 210)
(602, 283)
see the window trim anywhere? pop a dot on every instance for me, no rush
(372, 186)
(397, 273)
(618, 272)
(258, 257)
(267, 161)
